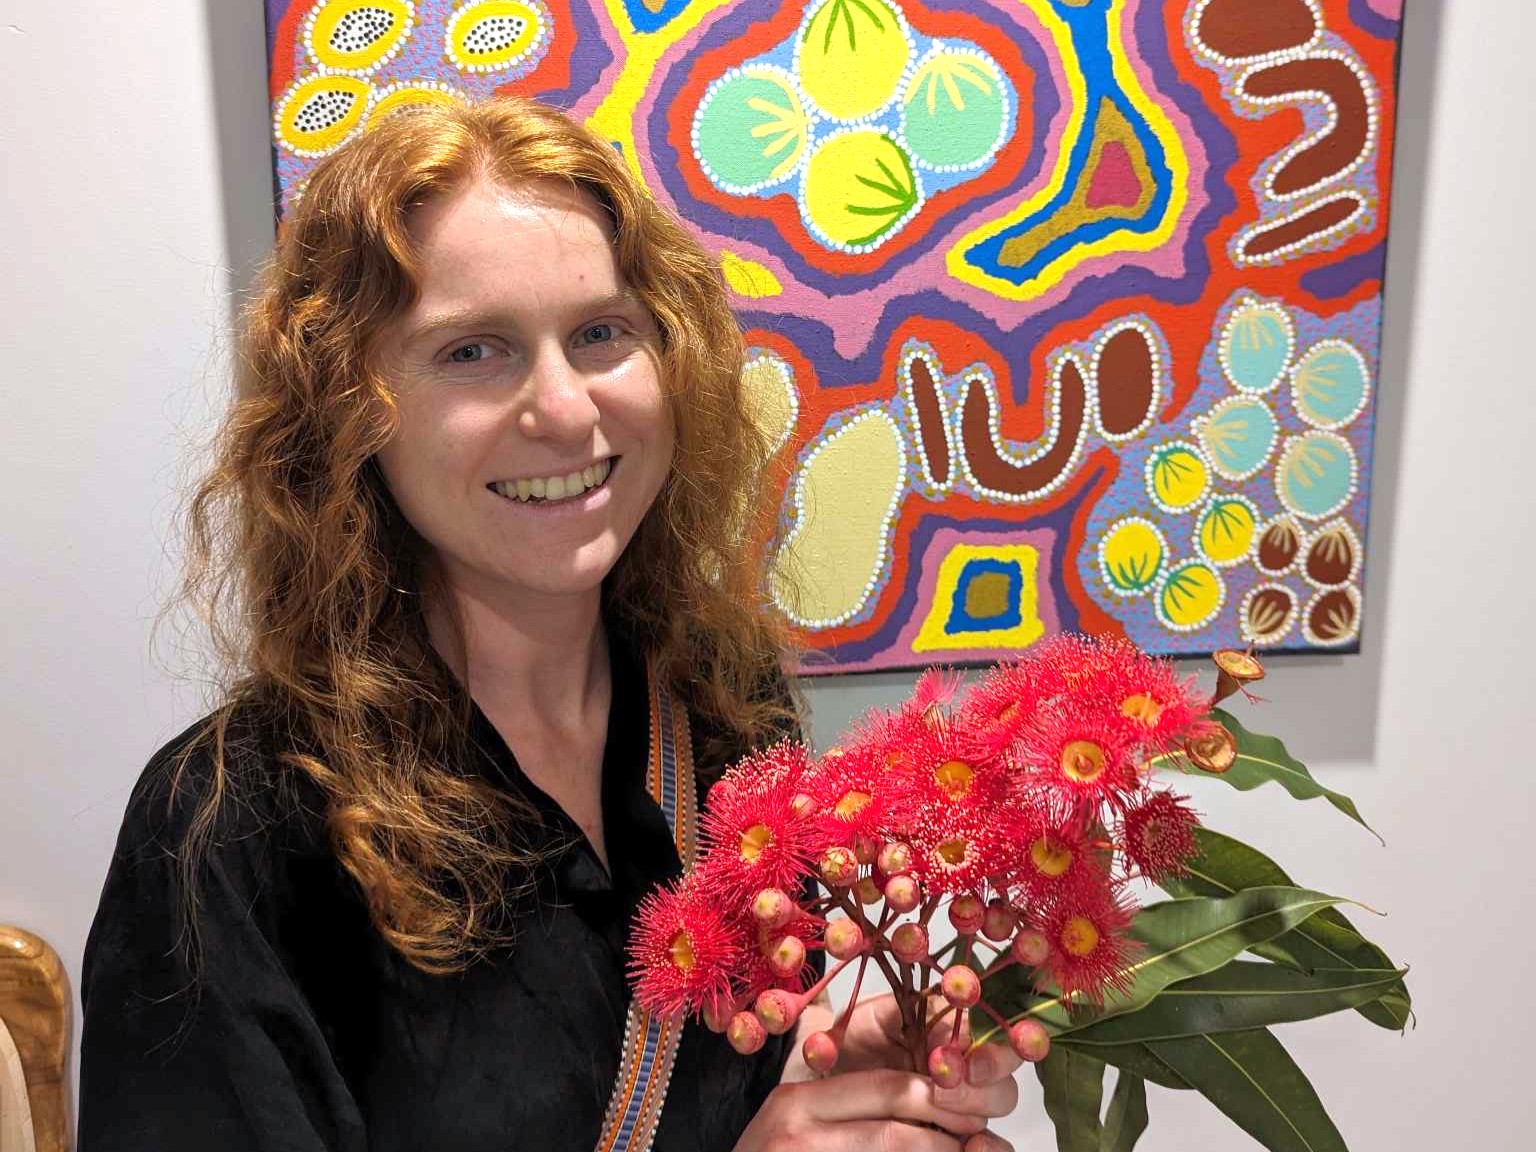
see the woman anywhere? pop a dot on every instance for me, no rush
(488, 492)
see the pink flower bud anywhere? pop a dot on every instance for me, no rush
(866, 891)
(1000, 920)
(844, 938)
(902, 893)
(820, 1052)
(718, 1013)
(894, 859)
(1030, 1040)
(746, 1033)
(966, 913)
(778, 1010)
(909, 943)
(803, 805)
(946, 1064)
(772, 908)
(1031, 948)
(960, 985)
(865, 849)
(787, 956)
(839, 868)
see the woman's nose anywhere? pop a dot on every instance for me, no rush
(557, 401)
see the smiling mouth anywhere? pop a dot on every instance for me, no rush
(556, 489)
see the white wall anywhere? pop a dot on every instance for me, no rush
(136, 191)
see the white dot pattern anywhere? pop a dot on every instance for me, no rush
(323, 110)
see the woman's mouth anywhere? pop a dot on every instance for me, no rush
(556, 489)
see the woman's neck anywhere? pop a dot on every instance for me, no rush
(541, 664)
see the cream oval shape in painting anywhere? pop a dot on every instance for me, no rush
(845, 496)
(768, 384)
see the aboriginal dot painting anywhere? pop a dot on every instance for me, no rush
(1066, 312)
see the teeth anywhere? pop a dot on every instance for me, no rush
(555, 487)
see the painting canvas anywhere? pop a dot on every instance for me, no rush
(1066, 313)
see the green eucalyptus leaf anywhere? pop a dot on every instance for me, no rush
(1133, 1058)
(1241, 996)
(1074, 1092)
(1179, 938)
(1328, 940)
(1261, 759)
(1254, 1081)
(1126, 1119)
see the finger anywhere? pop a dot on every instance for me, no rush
(993, 1100)
(987, 1142)
(887, 1135)
(991, 1063)
(879, 1094)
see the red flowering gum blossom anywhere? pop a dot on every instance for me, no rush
(1152, 706)
(1158, 835)
(684, 951)
(754, 837)
(999, 705)
(849, 800)
(1078, 758)
(1089, 948)
(1056, 856)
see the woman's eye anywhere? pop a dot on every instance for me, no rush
(597, 333)
(470, 353)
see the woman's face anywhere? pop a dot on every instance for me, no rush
(533, 433)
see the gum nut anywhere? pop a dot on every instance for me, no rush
(788, 956)
(1030, 1040)
(778, 1010)
(1000, 920)
(946, 1064)
(866, 849)
(909, 943)
(844, 938)
(1031, 947)
(820, 1052)
(746, 1033)
(838, 868)
(772, 908)
(894, 858)
(960, 985)
(967, 913)
(903, 893)
(718, 1014)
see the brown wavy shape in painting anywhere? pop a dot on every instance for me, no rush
(1335, 152)
(1127, 382)
(929, 411)
(1035, 476)
(1296, 230)
(1232, 28)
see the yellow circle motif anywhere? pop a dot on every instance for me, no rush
(859, 188)
(357, 35)
(400, 96)
(1191, 597)
(1178, 477)
(852, 56)
(320, 112)
(1227, 531)
(1132, 557)
(494, 34)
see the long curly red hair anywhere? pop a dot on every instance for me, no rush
(312, 584)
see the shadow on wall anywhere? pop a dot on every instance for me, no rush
(243, 121)
(1334, 700)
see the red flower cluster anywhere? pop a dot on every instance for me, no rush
(1024, 803)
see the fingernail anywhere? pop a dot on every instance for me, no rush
(952, 1098)
(980, 1067)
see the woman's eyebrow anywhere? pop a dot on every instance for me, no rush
(436, 322)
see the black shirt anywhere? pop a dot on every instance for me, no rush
(300, 1029)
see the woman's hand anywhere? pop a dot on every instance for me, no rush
(874, 1110)
(873, 1042)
